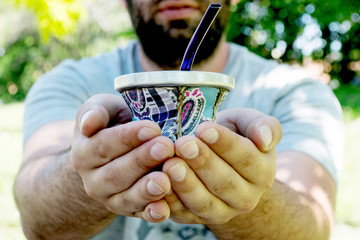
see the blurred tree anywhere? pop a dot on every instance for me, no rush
(55, 17)
(30, 49)
(285, 30)
(290, 31)
(20, 61)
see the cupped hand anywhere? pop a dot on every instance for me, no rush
(115, 159)
(225, 170)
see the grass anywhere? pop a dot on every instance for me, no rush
(347, 211)
(10, 158)
(349, 192)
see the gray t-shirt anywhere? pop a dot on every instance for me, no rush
(307, 109)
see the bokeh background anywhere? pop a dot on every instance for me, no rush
(321, 36)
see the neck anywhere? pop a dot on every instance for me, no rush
(216, 63)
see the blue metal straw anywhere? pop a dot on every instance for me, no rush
(199, 35)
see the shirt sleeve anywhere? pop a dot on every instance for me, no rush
(55, 96)
(58, 94)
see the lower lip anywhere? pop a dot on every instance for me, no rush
(177, 14)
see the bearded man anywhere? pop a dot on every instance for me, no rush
(90, 172)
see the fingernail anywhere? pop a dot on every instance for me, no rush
(178, 172)
(190, 150)
(84, 118)
(154, 189)
(155, 215)
(159, 151)
(210, 135)
(266, 135)
(146, 133)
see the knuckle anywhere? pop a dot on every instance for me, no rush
(77, 163)
(243, 163)
(119, 204)
(268, 184)
(247, 206)
(111, 209)
(268, 170)
(113, 177)
(223, 188)
(261, 165)
(205, 208)
(141, 164)
(101, 149)
(125, 203)
(114, 209)
(77, 156)
(91, 192)
(177, 213)
(231, 146)
(268, 180)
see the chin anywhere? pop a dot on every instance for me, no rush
(182, 27)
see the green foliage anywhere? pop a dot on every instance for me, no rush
(25, 57)
(55, 17)
(20, 62)
(291, 30)
(349, 98)
(285, 30)
(28, 57)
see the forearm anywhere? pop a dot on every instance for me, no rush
(281, 213)
(51, 208)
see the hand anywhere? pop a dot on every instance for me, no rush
(225, 170)
(114, 158)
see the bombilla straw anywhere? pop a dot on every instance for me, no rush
(199, 35)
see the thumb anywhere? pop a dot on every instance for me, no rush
(263, 130)
(99, 111)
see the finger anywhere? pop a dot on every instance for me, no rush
(111, 143)
(121, 173)
(178, 212)
(240, 153)
(193, 193)
(155, 212)
(99, 111)
(265, 131)
(134, 201)
(224, 178)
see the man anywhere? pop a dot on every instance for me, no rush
(88, 171)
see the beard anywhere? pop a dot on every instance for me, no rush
(166, 46)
